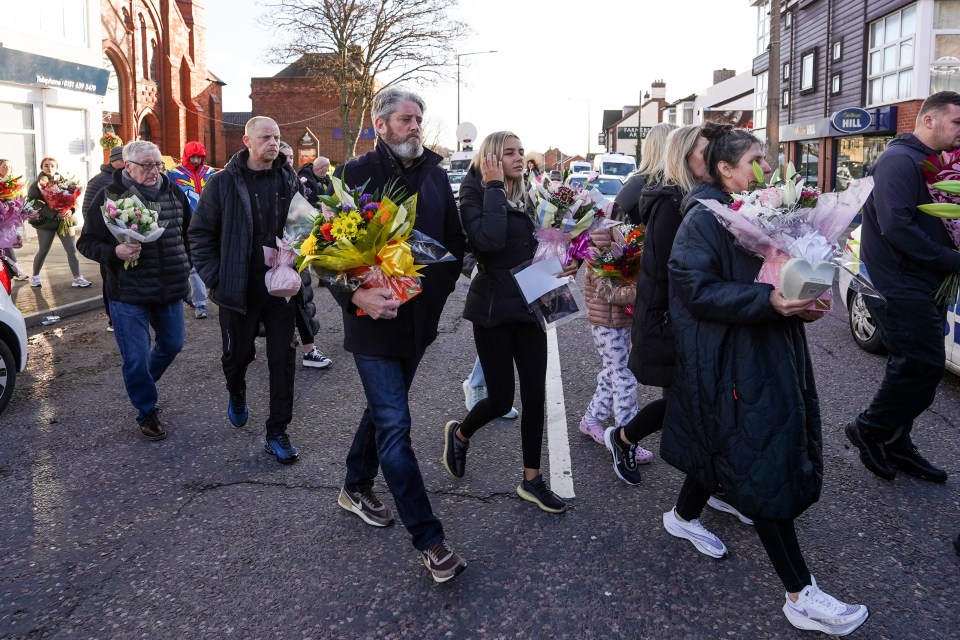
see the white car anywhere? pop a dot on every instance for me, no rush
(456, 177)
(13, 337)
(862, 326)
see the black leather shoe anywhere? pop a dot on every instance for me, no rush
(871, 452)
(910, 461)
(152, 428)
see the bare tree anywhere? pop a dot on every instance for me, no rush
(365, 45)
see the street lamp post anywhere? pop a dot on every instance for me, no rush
(460, 55)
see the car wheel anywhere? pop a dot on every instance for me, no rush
(8, 374)
(862, 326)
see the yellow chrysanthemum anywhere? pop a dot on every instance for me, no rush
(347, 225)
(309, 245)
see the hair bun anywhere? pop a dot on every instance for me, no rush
(713, 130)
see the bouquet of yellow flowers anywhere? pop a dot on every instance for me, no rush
(367, 240)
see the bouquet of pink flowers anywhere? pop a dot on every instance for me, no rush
(130, 219)
(785, 220)
(942, 173)
(13, 212)
(564, 218)
(61, 195)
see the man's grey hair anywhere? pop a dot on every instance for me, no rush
(138, 149)
(386, 101)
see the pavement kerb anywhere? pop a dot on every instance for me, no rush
(64, 311)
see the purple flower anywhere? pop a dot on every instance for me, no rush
(365, 199)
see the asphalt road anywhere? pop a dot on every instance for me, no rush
(202, 535)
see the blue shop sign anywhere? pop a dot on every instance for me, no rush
(366, 133)
(20, 67)
(851, 120)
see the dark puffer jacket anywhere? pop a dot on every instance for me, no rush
(96, 183)
(311, 186)
(502, 238)
(415, 326)
(744, 412)
(221, 232)
(653, 354)
(160, 276)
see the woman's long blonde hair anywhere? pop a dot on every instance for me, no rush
(651, 163)
(680, 144)
(493, 143)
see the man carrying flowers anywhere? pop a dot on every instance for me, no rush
(907, 254)
(242, 210)
(389, 340)
(149, 294)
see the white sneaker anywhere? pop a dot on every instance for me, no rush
(472, 395)
(815, 610)
(512, 414)
(705, 542)
(718, 504)
(80, 281)
(35, 281)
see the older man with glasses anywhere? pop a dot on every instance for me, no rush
(149, 293)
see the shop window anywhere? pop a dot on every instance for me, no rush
(945, 69)
(855, 156)
(835, 84)
(763, 27)
(760, 102)
(890, 57)
(808, 71)
(18, 138)
(808, 163)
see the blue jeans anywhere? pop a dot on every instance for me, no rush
(143, 365)
(476, 378)
(198, 292)
(383, 440)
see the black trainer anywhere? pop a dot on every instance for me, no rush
(442, 562)
(279, 446)
(624, 456)
(537, 492)
(454, 451)
(872, 454)
(909, 460)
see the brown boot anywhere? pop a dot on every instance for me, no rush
(152, 428)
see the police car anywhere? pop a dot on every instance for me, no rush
(862, 326)
(13, 337)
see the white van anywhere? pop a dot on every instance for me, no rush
(614, 164)
(579, 166)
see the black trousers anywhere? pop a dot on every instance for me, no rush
(648, 420)
(778, 537)
(239, 333)
(525, 344)
(912, 331)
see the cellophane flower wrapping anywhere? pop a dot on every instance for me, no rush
(617, 266)
(786, 221)
(942, 174)
(14, 211)
(61, 195)
(359, 239)
(564, 217)
(282, 279)
(130, 218)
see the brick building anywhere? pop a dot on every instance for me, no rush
(306, 106)
(160, 88)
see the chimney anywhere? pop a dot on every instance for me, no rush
(723, 74)
(658, 90)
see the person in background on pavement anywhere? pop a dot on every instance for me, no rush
(532, 172)
(6, 169)
(389, 341)
(191, 175)
(307, 324)
(743, 410)
(315, 181)
(475, 390)
(907, 254)
(98, 182)
(149, 293)
(243, 209)
(498, 217)
(47, 224)
(626, 204)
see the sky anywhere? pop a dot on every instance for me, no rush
(557, 64)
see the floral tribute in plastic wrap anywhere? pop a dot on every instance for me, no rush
(564, 218)
(784, 219)
(359, 239)
(61, 194)
(617, 265)
(13, 212)
(942, 173)
(131, 219)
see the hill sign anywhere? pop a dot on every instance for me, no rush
(852, 120)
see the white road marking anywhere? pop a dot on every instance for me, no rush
(561, 469)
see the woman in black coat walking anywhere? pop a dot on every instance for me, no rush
(498, 218)
(744, 412)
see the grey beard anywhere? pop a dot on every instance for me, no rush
(408, 150)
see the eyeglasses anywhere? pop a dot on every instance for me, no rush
(148, 165)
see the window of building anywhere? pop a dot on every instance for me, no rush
(760, 102)
(785, 100)
(763, 27)
(835, 83)
(855, 156)
(61, 20)
(945, 70)
(788, 19)
(18, 138)
(808, 164)
(785, 75)
(112, 101)
(890, 57)
(687, 113)
(808, 71)
(838, 50)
